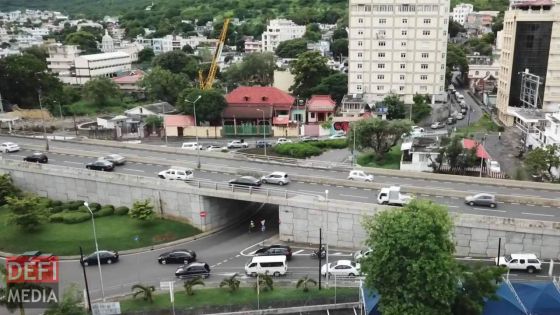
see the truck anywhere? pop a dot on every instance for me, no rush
(392, 196)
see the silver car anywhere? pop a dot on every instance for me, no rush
(114, 158)
(482, 199)
(278, 178)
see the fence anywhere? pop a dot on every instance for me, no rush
(246, 130)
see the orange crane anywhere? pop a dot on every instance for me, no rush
(206, 84)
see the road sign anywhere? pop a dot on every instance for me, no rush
(112, 308)
(203, 214)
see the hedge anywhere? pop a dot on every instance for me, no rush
(330, 144)
(57, 218)
(105, 211)
(75, 217)
(297, 150)
(121, 211)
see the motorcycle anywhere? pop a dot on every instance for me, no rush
(323, 254)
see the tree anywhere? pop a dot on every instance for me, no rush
(189, 285)
(264, 282)
(24, 212)
(420, 109)
(177, 61)
(305, 282)
(339, 47)
(395, 107)
(70, 303)
(208, 108)
(309, 69)
(453, 153)
(291, 48)
(255, 69)
(142, 210)
(411, 263)
(335, 85)
(455, 28)
(477, 284)
(86, 41)
(542, 160)
(456, 57)
(145, 55)
(187, 48)
(162, 84)
(340, 33)
(145, 291)
(7, 188)
(154, 121)
(312, 32)
(231, 282)
(101, 92)
(378, 135)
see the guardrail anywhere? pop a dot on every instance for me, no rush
(295, 162)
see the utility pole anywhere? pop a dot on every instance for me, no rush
(43, 119)
(1, 105)
(319, 256)
(85, 278)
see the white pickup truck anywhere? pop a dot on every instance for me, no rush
(392, 196)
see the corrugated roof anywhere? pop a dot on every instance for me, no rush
(178, 120)
(480, 150)
(321, 103)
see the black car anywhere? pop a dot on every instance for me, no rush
(262, 144)
(248, 181)
(37, 157)
(101, 165)
(192, 270)
(275, 250)
(178, 256)
(105, 257)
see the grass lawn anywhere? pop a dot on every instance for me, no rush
(113, 232)
(485, 124)
(245, 296)
(392, 159)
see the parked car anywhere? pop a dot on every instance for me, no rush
(283, 140)
(36, 157)
(362, 254)
(344, 268)
(482, 199)
(9, 147)
(464, 110)
(116, 159)
(177, 256)
(237, 144)
(337, 136)
(451, 120)
(275, 250)
(177, 173)
(214, 147)
(191, 146)
(105, 257)
(417, 130)
(308, 139)
(459, 116)
(192, 270)
(278, 178)
(360, 176)
(248, 181)
(437, 125)
(529, 262)
(101, 165)
(261, 144)
(495, 166)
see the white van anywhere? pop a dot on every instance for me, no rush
(177, 173)
(191, 146)
(528, 262)
(271, 265)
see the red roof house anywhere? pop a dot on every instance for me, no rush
(176, 125)
(480, 150)
(319, 108)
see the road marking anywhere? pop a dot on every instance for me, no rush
(538, 214)
(353, 196)
(133, 170)
(454, 197)
(311, 191)
(492, 210)
(353, 187)
(299, 251)
(450, 206)
(70, 162)
(530, 205)
(368, 189)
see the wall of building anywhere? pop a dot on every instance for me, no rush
(285, 131)
(202, 131)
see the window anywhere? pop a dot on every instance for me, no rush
(404, 21)
(359, 66)
(359, 54)
(425, 55)
(382, 21)
(381, 44)
(444, 33)
(380, 87)
(380, 66)
(423, 88)
(403, 55)
(425, 32)
(380, 77)
(427, 21)
(424, 66)
(360, 43)
(358, 87)
(401, 88)
(442, 55)
(403, 44)
(381, 55)
(401, 77)
(403, 66)
(360, 20)
(423, 77)
(476, 72)
(403, 32)
(360, 32)
(359, 76)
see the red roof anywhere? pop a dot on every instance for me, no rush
(480, 151)
(259, 95)
(321, 103)
(178, 120)
(132, 78)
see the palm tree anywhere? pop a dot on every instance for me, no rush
(232, 283)
(189, 284)
(146, 292)
(264, 282)
(305, 282)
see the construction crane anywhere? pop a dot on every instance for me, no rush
(206, 84)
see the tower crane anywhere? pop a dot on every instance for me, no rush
(206, 83)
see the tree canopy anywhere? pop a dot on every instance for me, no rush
(309, 69)
(101, 92)
(335, 85)
(177, 61)
(378, 135)
(209, 107)
(162, 84)
(255, 69)
(291, 48)
(541, 160)
(395, 107)
(86, 41)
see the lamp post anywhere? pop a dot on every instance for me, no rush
(196, 130)
(264, 131)
(96, 251)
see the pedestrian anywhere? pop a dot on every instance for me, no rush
(499, 136)
(251, 226)
(263, 227)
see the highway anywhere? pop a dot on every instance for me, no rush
(355, 194)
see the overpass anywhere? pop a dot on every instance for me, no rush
(300, 214)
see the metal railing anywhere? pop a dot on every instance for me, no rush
(295, 162)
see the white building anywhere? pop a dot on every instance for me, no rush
(107, 43)
(280, 30)
(174, 42)
(461, 11)
(397, 48)
(61, 61)
(252, 45)
(548, 133)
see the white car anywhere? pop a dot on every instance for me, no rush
(337, 136)
(495, 166)
(360, 175)
(528, 262)
(283, 140)
(215, 148)
(177, 173)
(9, 147)
(417, 131)
(191, 146)
(278, 178)
(116, 159)
(362, 254)
(237, 144)
(341, 268)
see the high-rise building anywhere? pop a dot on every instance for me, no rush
(397, 47)
(461, 12)
(531, 44)
(280, 30)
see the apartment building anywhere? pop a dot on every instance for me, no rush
(280, 30)
(397, 47)
(461, 12)
(61, 61)
(530, 42)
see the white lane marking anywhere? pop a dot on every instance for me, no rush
(312, 191)
(450, 206)
(353, 196)
(492, 210)
(538, 214)
(299, 251)
(70, 162)
(133, 170)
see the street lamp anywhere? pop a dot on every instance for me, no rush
(196, 129)
(264, 131)
(96, 250)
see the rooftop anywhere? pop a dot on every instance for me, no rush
(259, 95)
(103, 56)
(321, 103)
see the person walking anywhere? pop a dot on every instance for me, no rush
(251, 226)
(263, 227)
(500, 136)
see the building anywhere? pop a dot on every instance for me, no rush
(461, 12)
(107, 43)
(154, 109)
(320, 108)
(397, 48)
(252, 45)
(280, 30)
(174, 42)
(61, 62)
(418, 154)
(99, 65)
(479, 23)
(531, 38)
(547, 132)
(322, 46)
(483, 73)
(129, 82)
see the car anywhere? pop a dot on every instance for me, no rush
(464, 110)
(362, 254)
(237, 144)
(459, 116)
(105, 257)
(494, 166)
(437, 125)
(283, 140)
(337, 136)
(261, 144)
(482, 199)
(177, 256)
(275, 250)
(528, 262)
(249, 181)
(278, 178)
(344, 268)
(193, 270)
(116, 159)
(214, 147)
(36, 157)
(451, 120)
(7, 147)
(417, 130)
(100, 165)
(360, 176)
(177, 173)
(308, 139)
(191, 146)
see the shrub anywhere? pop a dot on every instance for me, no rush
(75, 217)
(104, 212)
(94, 206)
(57, 209)
(84, 209)
(330, 144)
(56, 203)
(109, 206)
(121, 211)
(57, 218)
(297, 150)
